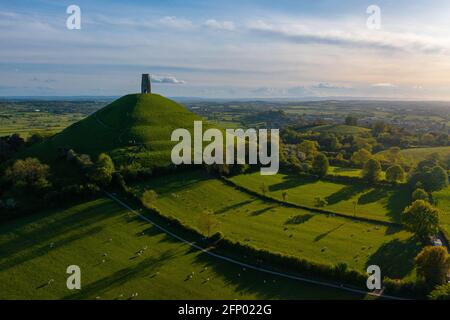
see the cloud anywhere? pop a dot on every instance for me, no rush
(326, 86)
(383, 85)
(320, 32)
(176, 23)
(219, 25)
(166, 79)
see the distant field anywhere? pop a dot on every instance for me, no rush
(379, 204)
(443, 202)
(82, 234)
(416, 155)
(301, 233)
(339, 129)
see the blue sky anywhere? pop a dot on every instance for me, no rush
(227, 49)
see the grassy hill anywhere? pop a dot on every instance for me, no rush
(39, 248)
(135, 127)
(339, 129)
(415, 155)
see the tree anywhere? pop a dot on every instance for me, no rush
(103, 170)
(420, 194)
(320, 165)
(309, 148)
(264, 189)
(422, 219)
(395, 174)
(372, 171)
(319, 202)
(28, 173)
(351, 121)
(361, 156)
(148, 198)
(432, 265)
(284, 195)
(441, 292)
(207, 222)
(438, 179)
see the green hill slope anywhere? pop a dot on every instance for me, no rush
(135, 127)
(339, 129)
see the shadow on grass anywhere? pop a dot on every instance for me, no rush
(263, 210)
(290, 182)
(299, 219)
(145, 268)
(373, 195)
(325, 234)
(346, 193)
(266, 286)
(22, 247)
(395, 258)
(397, 202)
(234, 206)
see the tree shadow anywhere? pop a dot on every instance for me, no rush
(325, 234)
(345, 193)
(289, 182)
(263, 210)
(145, 268)
(234, 206)
(373, 195)
(397, 202)
(299, 219)
(395, 258)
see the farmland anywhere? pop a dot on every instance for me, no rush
(369, 202)
(104, 239)
(316, 237)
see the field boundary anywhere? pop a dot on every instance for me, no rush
(298, 206)
(246, 265)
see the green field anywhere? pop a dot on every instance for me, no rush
(339, 129)
(316, 237)
(83, 234)
(379, 204)
(443, 202)
(415, 155)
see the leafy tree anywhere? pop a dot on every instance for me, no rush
(103, 170)
(422, 219)
(284, 195)
(309, 148)
(28, 173)
(372, 171)
(320, 165)
(438, 178)
(148, 198)
(264, 189)
(395, 174)
(207, 222)
(420, 194)
(432, 265)
(441, 292)
(393, 155)
(319, 202)
(361, 156)
(351, 121)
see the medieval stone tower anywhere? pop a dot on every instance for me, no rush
(146, 86)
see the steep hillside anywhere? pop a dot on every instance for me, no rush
(135, 127)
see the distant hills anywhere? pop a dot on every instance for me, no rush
(133, 128)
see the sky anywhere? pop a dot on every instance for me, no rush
(227, 49)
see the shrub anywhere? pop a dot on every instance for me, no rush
(422, 219)
(148, 198)
(420, 194)
(441, 292)
(320, 165)
(29, 173)
(395, 174)
(372, 171)
(432, 265)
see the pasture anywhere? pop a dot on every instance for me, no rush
(352, 200)
(267, 225)
(104, 240)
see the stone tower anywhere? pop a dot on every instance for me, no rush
(146, 86)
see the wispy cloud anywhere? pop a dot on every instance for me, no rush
(166, 79)
(176, 23)
(219, 25)
(383, 85)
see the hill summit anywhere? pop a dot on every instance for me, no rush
(133, 128)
